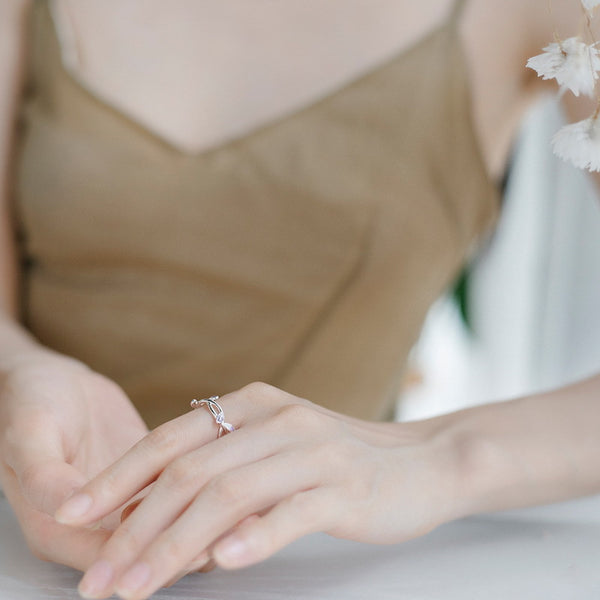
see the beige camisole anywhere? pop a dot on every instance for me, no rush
(304, 254)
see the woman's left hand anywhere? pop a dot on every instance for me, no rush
(290, 468)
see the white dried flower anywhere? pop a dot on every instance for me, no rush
(589, 4)
(579, 143)
(573, 63)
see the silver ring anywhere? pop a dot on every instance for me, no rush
(216, 411)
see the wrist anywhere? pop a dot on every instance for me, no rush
(471, 473)
(19, 348)
(434, 449)
(447, 449)
(485, 472)
(461, 452)
(14, 337)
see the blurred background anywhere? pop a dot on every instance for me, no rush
(532, 299)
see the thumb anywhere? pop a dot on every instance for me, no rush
(45, 477)
(47, 484)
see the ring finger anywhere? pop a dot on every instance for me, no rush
(225, 501)
(172, 492)
(144, 462)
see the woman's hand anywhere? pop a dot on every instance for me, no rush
(289, 469)
(60, 425)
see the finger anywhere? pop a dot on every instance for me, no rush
(175, 579)
(142, 464)
(212, 564)
(48, 484)
(222, 503)
(134, 503)
(35, 454)
(208, 567)
(173, 492)
(202, 564)
(205, 563)
(76, 548)
(129, 509)
(299, 515)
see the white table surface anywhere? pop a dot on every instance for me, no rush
(547, 553)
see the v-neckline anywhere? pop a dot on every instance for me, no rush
(144, 129)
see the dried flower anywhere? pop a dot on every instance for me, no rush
(590, 4)
(573, 63)
(579, 143)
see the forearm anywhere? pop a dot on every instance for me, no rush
(534, 450)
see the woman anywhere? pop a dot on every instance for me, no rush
(185, 229)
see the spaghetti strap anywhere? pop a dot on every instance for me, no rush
(457, 9)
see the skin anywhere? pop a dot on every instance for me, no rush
(300, 468)
(284, 472)
(50, 448)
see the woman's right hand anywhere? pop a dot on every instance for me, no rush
(60, 424)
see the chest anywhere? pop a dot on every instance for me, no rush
(198, 73)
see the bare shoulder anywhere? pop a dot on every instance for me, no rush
(499, 37)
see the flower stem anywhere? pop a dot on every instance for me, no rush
(554, 30)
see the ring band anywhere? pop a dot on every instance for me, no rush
(216, 411)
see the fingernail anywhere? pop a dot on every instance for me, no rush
(134, 579)
(231, 552)
(97, 578)
(74, 508)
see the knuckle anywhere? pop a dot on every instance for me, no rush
(162, 440)
(257, 390)
(109, 487)
(227, 491)
(258, 387)
(300, 415)
(338, 456)
(174, 549)
(108, 384)
(124, 543)
(22, 427)
(362, 490)
(180, 475)
(304, 506)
